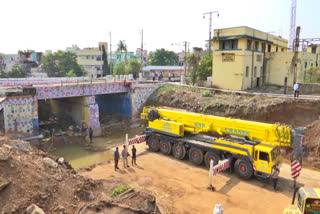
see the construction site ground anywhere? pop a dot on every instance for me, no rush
(180, 187)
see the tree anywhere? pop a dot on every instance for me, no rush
(105, 67)
(205, 67)
(60, 64)
(164, 57)
(70, 74)
(122, 47)
(193, 61)
(119, 69)
(134, 67)
(16, 72)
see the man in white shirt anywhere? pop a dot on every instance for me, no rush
(296, 89)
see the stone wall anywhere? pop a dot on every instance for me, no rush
(310, 88)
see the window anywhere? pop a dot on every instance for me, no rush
(305, 64)
(263, 47)
(247, 71)
(256, 46)
(311, 64)
(264, 156)
(261, 71)
(228, 44)
(87, 57)
(282, 49)
(249, 45)
(255, 71)
(276, 49)
(269, 48)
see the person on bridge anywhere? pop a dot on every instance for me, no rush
(134, 155)
(275, 175)
(116, 158)
(153, 76)
(124, 154)
(296, 89)
(90, 134)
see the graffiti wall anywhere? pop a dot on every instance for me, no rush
(77, 90)
(94, 116)
(139, 97)
(20, 114)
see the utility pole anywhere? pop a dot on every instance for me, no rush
(185, 58)
(210, 26)
(110, 55)
(141, 49)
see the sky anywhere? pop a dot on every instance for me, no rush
(56, 24)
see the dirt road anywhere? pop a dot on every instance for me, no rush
(181, 187)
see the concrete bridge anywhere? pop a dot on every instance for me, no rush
(82, 99)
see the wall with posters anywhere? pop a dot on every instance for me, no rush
(20, 114)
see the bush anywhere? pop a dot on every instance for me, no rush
(206, 93)
(119, 189)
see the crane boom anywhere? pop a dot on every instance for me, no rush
(161, 118)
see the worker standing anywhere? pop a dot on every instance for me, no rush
(116, 158)
(296, 87)
(124, 154)
(170, 75)
(153, 76)
(275, 176)
(134, 155)
(210, 187)
(90, 134)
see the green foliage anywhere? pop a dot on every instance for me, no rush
(312, 75)
(70, 74)
(205, 67)
(194, 88)
(105, 67)
(2, 56)
(2, 74)
(119, 69)
(206, 106)
(163, 57)
(16, 72)
(122, 47)
(60, 63)
(206, 93)
(246, 111)
(119, 189)
(134, 67)
(164, 88)
(193, 61)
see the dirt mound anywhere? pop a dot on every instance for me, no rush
(312, 143)
(258, 108)
(35, 177)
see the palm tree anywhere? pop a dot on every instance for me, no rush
(122, 47)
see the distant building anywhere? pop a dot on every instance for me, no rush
(10, 61)
(176, 70)
(144, 54)
(246, 58)
(119, 57)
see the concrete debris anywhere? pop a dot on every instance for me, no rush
(3, 183)
(18, 145)
(3, 156)
(34, 209)
(50, 163)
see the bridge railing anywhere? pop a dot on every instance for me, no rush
(61, 80)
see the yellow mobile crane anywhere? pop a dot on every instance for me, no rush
(252, 146)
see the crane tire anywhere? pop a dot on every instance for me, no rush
(179, 151)
(243, 168)
(196, 156)
(165, 147)
(211, 156)
(153, 144)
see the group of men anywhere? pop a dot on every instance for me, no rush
(125, 155)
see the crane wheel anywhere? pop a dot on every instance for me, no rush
(195, 156)
(211, 156)
(243, 168)
(165, 147)
(153, 144)
(179, 151)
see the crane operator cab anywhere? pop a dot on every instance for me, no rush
(265, 157)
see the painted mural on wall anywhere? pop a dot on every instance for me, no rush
(94, 116)
(79, 90)
(91, 99)
(139, 97)
(19, 114)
